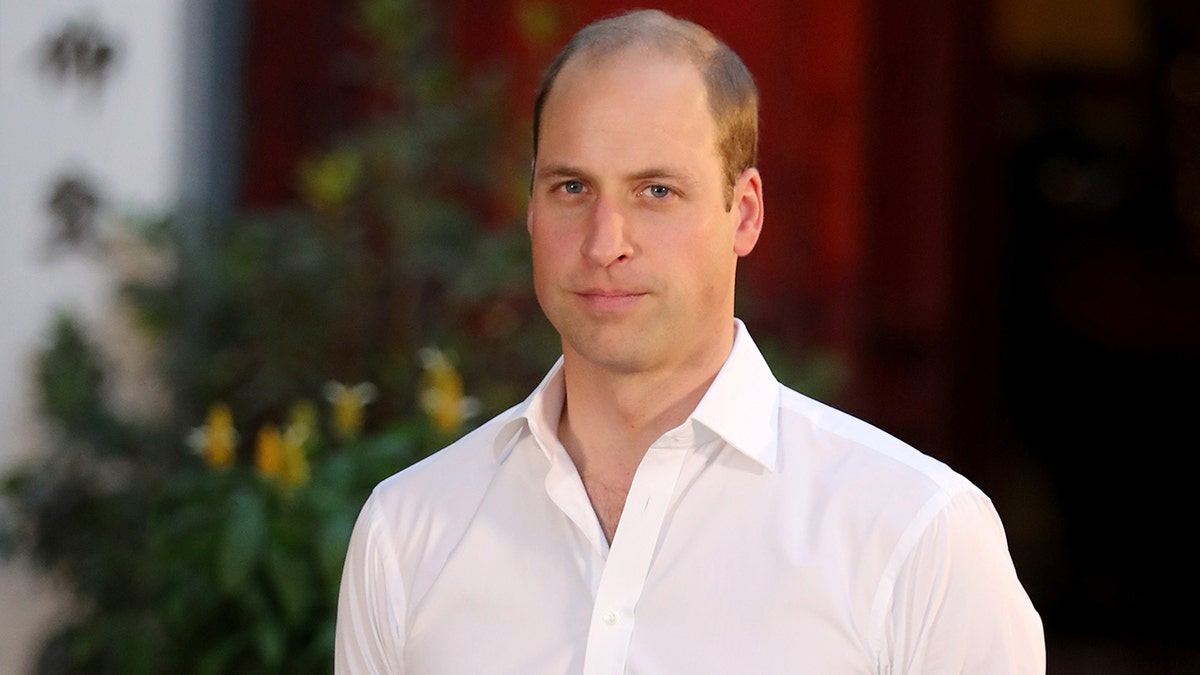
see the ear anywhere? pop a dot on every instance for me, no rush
(747, 209)
(529, 203)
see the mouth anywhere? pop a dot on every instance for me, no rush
(609, 299)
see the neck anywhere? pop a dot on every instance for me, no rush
(610, 419)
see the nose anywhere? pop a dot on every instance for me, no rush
(607, 241)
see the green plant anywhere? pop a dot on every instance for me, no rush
(306, 353)
(224, 557)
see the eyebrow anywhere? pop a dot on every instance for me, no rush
(558, 171)
(662, 172)
(567, 171)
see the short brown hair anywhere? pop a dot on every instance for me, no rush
(732, 96)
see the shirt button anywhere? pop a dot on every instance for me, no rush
(612, 618)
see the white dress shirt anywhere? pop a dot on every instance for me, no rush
(768, 533)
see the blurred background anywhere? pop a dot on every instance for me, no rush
(256, 256)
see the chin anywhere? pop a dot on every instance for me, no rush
(621, 358)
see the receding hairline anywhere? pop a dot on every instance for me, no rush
(595, 60)
(732, 97)
(649, 29)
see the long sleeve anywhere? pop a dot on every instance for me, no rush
(956, 604)
(371, 603)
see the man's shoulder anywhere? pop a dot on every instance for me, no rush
(819, 434)
(447, 476)
(884, 495)
(415, 517)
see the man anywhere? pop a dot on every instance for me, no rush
(660, 503)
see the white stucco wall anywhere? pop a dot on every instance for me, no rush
(127, 136)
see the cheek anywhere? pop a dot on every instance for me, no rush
(548, 255)
(539, 257)
(555, 234)
(542, 275)
(714, 261)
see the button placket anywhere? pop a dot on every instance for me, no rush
(629, 559)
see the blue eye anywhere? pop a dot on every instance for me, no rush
(658, 191)
(572, 187)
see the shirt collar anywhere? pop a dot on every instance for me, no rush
(741, 406)
(539, 413)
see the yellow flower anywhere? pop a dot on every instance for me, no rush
(216, 441)
(268, 452)
(281, 456)
(302, 423)
(327, 183)
(294, 471)
(441, 394)
(348, 404)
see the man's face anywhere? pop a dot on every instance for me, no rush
(634, 251)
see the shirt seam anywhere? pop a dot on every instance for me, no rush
(388, 558)
(906, 544)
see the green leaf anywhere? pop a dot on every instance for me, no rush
(332, 539)
(242, 544)
(216, 658)
(292, 581)
(270, 640)
(317, 655)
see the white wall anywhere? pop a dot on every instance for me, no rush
(127, 135)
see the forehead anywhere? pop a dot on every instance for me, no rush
(637, 100)
(631, 64)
